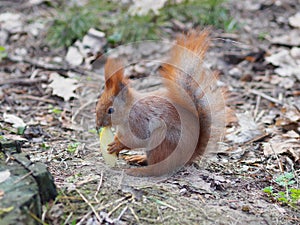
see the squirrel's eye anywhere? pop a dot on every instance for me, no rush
(110, 110)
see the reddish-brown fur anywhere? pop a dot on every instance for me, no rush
(191, 107)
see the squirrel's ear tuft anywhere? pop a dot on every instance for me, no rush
(114, 75)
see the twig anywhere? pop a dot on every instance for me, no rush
(49, 66)
(36, 218)
(297, 108)
(24, 82)
(101, 208)
(36, 98)
(81, 108)
(89, 179)
(257, 106)
(149, 220)
(162, 203)
(257, 138)
(201, 198)
(98, 188)
(259, 115)
(111, 203)
(23, 177)
(84, 218)
(134, 215)
(118, 206)
(271, 99)
(278, 161)
(90, 205)
(121, 180)
(159, 213)
(68, 218)
(122, 212)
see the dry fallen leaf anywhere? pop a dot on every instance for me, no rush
(13, 137)
(4, 175)
(63, 87)
(281, 58)
(289, 119)
(16, 121)
(143, 7)
(12, 22)
(280, 144)
(289, 38)
(287, 64)
(247, 131)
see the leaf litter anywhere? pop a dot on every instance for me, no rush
(225, 188)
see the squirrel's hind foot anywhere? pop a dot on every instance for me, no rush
(136, 159)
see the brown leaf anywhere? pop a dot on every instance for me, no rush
(280, 144)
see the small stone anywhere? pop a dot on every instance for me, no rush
(222, 202)
(246, 78)
(290, 38)
(96, 33)
(3, 37)
(294, 21)
(236, 72)
(246, 208)
(139, 69)
(73, 56)
(233, 206)
(11, 22)
(295, 52)
(57, 59)
(92, 44)
(183, 191)
(21, 51)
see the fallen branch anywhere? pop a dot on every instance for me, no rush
(49, 66)
(23, 82)
(81, 108)
(35, 98)
(23, 177)
(271, 99)
(90, 205)
(98, 188)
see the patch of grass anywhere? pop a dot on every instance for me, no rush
(3, 53)
(136, 28)
(21, 130)
(54, 110)
(72, 147)
(290, 196)
(92, 131)
(205, 12)
(72, 22)
(2, 138)
(45, 146)
(262, 36)
(71, 25)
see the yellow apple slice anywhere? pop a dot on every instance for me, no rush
(106, 137)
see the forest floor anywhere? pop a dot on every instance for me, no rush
(259, 63)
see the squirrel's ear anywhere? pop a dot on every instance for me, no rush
(114, 75)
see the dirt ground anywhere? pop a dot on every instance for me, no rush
(224, 188)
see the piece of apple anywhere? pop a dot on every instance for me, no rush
(106, 137)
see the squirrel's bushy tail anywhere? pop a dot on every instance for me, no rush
(186, 72)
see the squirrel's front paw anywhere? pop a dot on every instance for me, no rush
(115, 147)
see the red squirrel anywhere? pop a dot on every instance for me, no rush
(175, 124)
